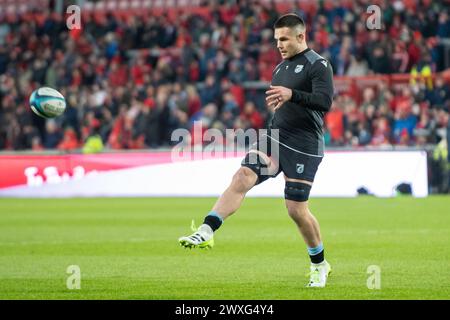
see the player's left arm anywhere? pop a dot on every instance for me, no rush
(320, 97)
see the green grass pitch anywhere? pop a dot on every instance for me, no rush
(128, 249)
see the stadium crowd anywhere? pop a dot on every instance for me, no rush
(130, 80)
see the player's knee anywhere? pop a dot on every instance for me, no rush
(295, 209)
(244, 179)
(257, 163)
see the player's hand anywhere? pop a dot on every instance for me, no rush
(277, 95)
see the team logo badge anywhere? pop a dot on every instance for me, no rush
(300, 168)
(298, 68)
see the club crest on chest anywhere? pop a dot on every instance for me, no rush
(298, 68)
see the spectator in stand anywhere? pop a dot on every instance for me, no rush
(230, 104)
(119, 61)
(147, 123)
(369, 116)
(334, 121)
(52, 136)
(358, 66)
(251, 117)
(403, 100)
(364, 134)
(368, 98)
(93, 144)
(404, 125)
(353, 116)
(384, 95)
(424, 129)
(36, 144)
(211, 91)
(399, 58)
(381, 135)
(380, 60)
(414, 49)
(194, 103)
(227, 118)
(69, 140)
(422, 72)
(24, 139)
(439, 96)
(443, 28)
(343, 62)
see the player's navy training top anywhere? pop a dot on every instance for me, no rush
(300, 120)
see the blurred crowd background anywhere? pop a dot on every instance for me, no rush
(131, 78)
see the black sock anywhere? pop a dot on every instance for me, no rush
(318, 258)
(214, 221)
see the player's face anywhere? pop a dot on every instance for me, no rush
(288, 42)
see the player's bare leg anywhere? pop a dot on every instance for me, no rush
(307, 224)
(309, 228)
(243, 180)
(230, 200)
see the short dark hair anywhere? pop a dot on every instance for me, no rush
(290, 20)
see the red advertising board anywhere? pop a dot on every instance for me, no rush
(35, 169)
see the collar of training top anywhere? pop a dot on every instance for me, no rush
(299, 54)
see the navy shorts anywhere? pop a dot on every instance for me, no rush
(293, 163)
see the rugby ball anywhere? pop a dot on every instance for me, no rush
(47, 102)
